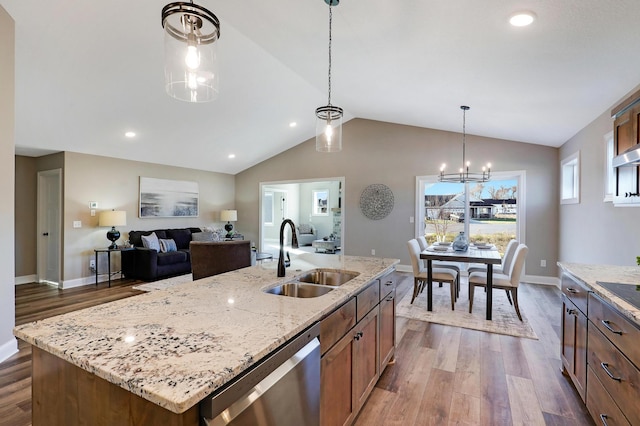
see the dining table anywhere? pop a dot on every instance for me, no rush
(487, 254)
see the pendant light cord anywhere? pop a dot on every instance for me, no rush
(330, 21)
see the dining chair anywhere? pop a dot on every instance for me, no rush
(508, 282)
(420, 274)
(422, 241)
(509, 251)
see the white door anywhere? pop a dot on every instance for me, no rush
(49, 234)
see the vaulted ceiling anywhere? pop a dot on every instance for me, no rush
(87, 72)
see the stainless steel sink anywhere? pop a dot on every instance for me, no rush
(296, 289)
(327, 277)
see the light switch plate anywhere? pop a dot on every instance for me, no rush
(77, 224)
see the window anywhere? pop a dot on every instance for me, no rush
(267, 208)
(320, 202)
(570, 179)
(609, 171)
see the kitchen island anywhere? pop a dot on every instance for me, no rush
(174, 347)
(600, 331)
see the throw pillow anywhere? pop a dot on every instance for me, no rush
(305, 229)
(151, 241)
(167, 245)
(219, 234)
(202, 236)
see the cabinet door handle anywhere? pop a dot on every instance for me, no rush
(571, 311)
(571, 290)
(358, 335)
(605, 367)
(606, 324)
(388, 283)
(603, 419)
(389, 299)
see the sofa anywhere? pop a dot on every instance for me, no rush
(150, 264)
(213, 258)
(306, 234)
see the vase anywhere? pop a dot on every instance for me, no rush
(460, 243)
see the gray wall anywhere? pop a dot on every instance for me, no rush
(114, 184)
(594, 231)
(392, 154)
(25, 217)
(8, 343)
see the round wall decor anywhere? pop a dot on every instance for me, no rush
(376, 201)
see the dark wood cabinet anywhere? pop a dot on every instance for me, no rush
(351, 367)
(626, 134)
(574, 345)
(574, 333)
(613, 358)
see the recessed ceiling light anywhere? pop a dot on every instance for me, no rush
(130, 134)
(232, 156)
(293, 124)
(522, 19)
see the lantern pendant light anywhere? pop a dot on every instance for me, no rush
(190, 63)
(329, 117)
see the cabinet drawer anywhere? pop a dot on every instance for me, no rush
(616, 327)
(336, 324)
(387, 285)
(575, 291)
(600, 405)
(619, 377)
(367, 299)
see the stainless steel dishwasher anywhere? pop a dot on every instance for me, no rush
(283, 389)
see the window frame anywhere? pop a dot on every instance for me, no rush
(570, 176)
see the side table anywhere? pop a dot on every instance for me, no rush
(109, 251)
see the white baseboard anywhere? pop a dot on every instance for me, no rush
(78, 282)
(8, 348)
(26, 279)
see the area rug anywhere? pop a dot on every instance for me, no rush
(505, 320)
(164, 284)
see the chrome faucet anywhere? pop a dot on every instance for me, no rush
(294, 244)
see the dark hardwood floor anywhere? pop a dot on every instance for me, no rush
(442, 375)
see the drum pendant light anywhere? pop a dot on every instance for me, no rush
(329, 117)
(190, 63)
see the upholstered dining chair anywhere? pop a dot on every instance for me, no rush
(508, 282)
(420, 275)
(422, 241)
(509, 251)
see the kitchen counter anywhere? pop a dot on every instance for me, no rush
(589, 274)
(174, 347)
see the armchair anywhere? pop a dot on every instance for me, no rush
(306, 234)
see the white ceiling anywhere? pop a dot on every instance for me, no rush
(86, 72)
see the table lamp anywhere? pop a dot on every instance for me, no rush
(113, 218)
(229, 216)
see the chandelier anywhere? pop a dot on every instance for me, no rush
(190, 65)
(329, 117)
(464, 175)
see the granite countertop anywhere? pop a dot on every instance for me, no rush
(589, 274)
(174, 347)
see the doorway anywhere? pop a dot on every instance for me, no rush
(49, 244)
(296, 200)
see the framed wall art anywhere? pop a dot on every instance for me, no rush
(168, 198)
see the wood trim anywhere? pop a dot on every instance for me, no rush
(635, 97)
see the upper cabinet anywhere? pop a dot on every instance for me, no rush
(626, 133)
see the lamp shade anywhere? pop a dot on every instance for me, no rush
(113, 218)
(229, 215)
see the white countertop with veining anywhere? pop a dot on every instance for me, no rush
(174, 347)
(590, 274)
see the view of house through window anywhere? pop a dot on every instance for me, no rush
(491, 214)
